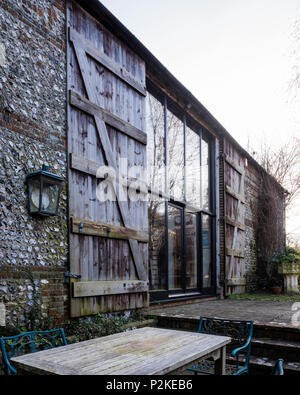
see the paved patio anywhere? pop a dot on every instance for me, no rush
(262, 312)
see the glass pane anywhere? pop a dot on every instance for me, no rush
(174, 247)
(155, 146)
(175, 144)
(193, 171)
(191, 250)
(206, 251)
(50, 194)
(205, 157)
(157, 268)
(34, 195)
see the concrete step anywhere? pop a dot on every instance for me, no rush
(275, 349)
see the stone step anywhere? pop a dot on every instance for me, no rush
(262, 330)
(275, 349)
(264, 366)
(276, 331)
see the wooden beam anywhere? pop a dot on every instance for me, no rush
(83, 165)
(106, 61)
(236, 224)
(90, 108)
(234, 194)
(90, 228)
(90, 167)
(234, 165)
(236, 282)
(236, 253)
(105, 288)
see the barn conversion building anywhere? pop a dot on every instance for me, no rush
(81, 95)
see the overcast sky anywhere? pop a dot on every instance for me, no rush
(235, 56)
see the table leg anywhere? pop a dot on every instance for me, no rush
(221, 362)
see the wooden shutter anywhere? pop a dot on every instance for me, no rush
(106, 121)
(234, 176)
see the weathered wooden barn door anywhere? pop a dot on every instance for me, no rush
(106, 125)
(234, 178)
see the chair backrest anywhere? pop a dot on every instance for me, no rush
(278, 368)
(240, 332)
(29, 342)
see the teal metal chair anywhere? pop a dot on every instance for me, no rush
(240, 333)
(29, 342)
(278, 368)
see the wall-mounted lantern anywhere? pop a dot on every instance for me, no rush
(44, 190)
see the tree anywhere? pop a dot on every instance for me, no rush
(283, 164)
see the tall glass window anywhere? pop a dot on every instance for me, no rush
(157, 244)
(205, 170)
(175, 156)
(175, 258)
(206, 251)
(180, 230)
(193, 170)
(156, 143)
(191, 251)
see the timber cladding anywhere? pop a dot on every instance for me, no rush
(234, 179)
(106, 122)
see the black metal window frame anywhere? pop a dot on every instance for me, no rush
(168, 295)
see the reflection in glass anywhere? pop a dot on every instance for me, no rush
(50, 194)
(206, 251)
(205, 175)
(191, 250)
(175, 161)
(155, 146)
(193, 171)
(174, 247)
(157, 271)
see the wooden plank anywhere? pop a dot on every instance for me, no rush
(91, 228)
(90, 108)
(83, 165)
(220, 363)
(106, 145)
(106, 61)
(90, 167)
(236, 195)
(104, 288)
(146, 351)
(233, 164)
(233, 252)
(236, 282)
(234, 223)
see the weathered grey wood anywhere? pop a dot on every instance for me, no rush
(103, 137)
(237, 253)
(220, 363)
(146, 351)
(90, 108)
(235, 220)
(234, 223)
(106, 61)
(233, 164)
(236, 281)
(98, 258)
(90, 167)
(104, 288)
(236, 195)
(91, 228)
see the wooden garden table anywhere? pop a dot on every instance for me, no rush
(146, 351)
